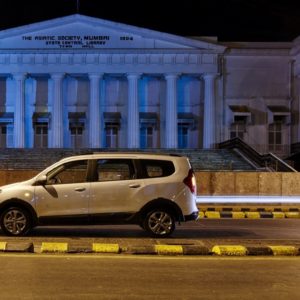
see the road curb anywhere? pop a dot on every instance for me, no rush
(16, 247)
(105, 248)
(3, 246)
(285, 250)
(238, 250)
(168, 250)
(232, 250)
(157, 249)
(218, 214)
(54, 247)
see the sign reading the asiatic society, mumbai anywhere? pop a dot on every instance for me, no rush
(76, 41)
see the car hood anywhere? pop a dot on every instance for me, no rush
(12, 185)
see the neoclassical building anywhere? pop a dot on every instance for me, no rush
(84, 82)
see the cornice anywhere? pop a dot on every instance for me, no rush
(107, 58)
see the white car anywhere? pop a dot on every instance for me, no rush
(151, 190)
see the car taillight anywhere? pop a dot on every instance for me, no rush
(190, 181)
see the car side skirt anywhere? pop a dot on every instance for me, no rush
(96, 219)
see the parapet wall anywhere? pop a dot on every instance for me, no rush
(214, 183)
(12, 176)
(248, 183)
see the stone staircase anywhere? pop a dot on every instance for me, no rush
(201, 160)
(218, 160)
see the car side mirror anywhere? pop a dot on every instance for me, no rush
(41, 180)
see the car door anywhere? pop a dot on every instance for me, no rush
(64, 198)
(115, 192)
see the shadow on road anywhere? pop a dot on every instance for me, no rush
(201, 230)
(132, 231)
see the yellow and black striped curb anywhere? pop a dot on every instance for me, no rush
(248, 213)
(217, 250)
(16, 247)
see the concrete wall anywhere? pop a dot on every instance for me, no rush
(214, 183)
(12, 176)
(248, 183)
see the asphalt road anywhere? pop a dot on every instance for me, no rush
(144, 277)
(206, 232)
(96, 276)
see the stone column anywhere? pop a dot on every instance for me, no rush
(57, 111)
(133, 111)
(209, 120)
(171, 133)
(19, 116)
(94, 107)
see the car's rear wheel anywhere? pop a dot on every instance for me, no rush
(159, 222)
(15, 221)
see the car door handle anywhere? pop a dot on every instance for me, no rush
(134, 186)
(81, 189)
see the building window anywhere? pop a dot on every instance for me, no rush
(76, 127)
(111, 135)
(6, 129)
(183, 135)
(238, 127)
(148, 129)
(40, 121)
(41, 135)
(76, 132)
(275, 134)
(186, 123)
(112, 121)
(3, 132)
(146, 137)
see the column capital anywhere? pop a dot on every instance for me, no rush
(207, 76)
(95, 75)
(133, 75)
(57, 76)
(19, 76)
(171, 76)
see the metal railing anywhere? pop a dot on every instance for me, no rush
(269, 161)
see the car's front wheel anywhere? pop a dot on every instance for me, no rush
(159, 222)
(15, 221)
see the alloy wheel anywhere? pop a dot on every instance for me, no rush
(160, 223)
(15, 221)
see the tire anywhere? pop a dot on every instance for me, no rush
(15, 221)
(159, 222)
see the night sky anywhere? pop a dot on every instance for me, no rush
(229, 20)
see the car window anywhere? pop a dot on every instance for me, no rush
(157, 168)
(114, 169)
(71, 172)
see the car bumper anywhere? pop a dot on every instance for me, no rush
(192, 217)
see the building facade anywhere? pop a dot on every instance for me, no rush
(81, 82)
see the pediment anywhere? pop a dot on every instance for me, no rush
(82, 32)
